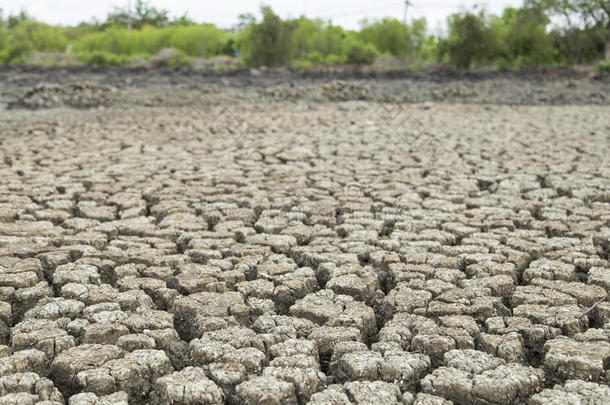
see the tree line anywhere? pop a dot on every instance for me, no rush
(540, 32)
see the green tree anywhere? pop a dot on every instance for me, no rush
(388, 35)
(523, 38)
(585, 26)
(470, 40)
(269, 42)
(143, 15)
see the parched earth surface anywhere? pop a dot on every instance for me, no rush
(251, 240)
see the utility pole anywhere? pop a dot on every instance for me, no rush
(128, 15)
(407, 5)
(404, 22)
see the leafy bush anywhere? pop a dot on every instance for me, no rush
(523, 38)
(388, 36)
(603, 67)
(360, 52)
(302, 64)
(171, 58)
(268, 42)
(103, 58)
(318, 36)
(333, 59)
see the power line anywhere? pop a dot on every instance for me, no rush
(348, 13)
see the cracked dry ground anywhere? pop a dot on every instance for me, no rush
(332, 256)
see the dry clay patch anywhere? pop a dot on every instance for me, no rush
(326, 262)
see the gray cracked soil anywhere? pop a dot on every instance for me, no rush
(248, 240)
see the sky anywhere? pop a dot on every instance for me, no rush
(347, 13)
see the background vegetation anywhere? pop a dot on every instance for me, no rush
(541, 32)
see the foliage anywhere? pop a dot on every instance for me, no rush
(388, 36)
(143, 15)
(103, 58)
(541, 32)
(603, 67)
(204, 40)
(471, 40)
(268, 42)
(360, 52)
(522, 37)
(582, 29)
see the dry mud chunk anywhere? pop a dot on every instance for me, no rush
(333, 395)
(568, 359)
(89, 398)
(43, 335)
(293, 286)
(169, 341)
(327, 337)
(404, 299)
(373, 392)
(104, 333)
(40, 388)
(599, 276)
(471, 361)
(278, 243)
(190, 310)
(500, 286)
(550, 270)
(227, 376)
(568, 319)
(189, 387)
(55, 308)
(471, 376)
(503, 384)
(195, 278)
(413, 332)
(233, 345)
(327, 308)
(360, 282)
(266, 390)
(89, 293)
(20, 273)
(509, 347)
(278, 328)
(134, 374)
(534, 335)
(585, 295)
(428, 399)
(136, 341)
(69, 363)
(401, 368)
(259, 288)
(148, 320)
(292, 347)
(30, 360)
(573, 392)
(538, 295)
(306, 380)
(75, 273)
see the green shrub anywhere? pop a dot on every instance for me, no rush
(603, 67)
(180, 59)
(314, 57)
(302, 64)
(359, 52)
(103, 58)
(470, 41)
(199, 40)
(388, 35)
(333, 59)
(269, 42)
